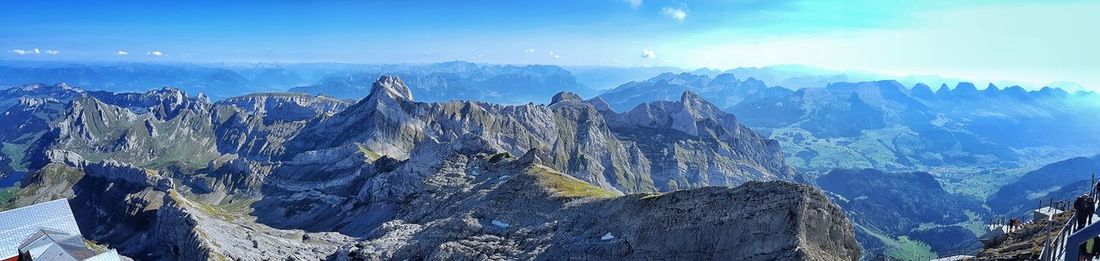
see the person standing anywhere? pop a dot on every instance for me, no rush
(1090, 208)
(1079, 210)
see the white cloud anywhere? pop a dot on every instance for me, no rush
(121, 52)
(634, 3)
(34, 51)
(676, 13)
(154, 53)
(530, 50)
(647, 53)
(555, 55)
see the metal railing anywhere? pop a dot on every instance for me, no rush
(1070, 235)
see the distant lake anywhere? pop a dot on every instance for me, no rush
(9, 181)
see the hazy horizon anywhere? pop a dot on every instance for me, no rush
(1036, 42)
(908, 81)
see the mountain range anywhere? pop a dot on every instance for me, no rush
(885, 125)
(379, 173)
(164, 174)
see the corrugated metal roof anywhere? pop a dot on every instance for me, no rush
(18, 224)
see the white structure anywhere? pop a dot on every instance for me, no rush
(1045, 213)
(45, 231)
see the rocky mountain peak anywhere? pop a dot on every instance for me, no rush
(565, 96)
(392, 87)
(690, 98)
(965, 89)
(921, 90)
(203, 98)
(943, 90)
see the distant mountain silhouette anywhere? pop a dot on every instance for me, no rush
(456, 81)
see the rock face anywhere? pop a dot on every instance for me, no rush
(537, 213)
(167, 175)
(1026, 242)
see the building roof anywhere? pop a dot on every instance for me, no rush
(19, 224)
(55, 245)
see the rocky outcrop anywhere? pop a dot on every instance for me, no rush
(177, 229)
(716, 150)
(197, 231)
(1026, 242)
(474, 208)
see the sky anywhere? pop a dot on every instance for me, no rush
(1035, 42)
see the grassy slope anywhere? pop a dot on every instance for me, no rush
(567, 186)
(901, 247)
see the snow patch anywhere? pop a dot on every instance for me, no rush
(607, 236)
(500, 224)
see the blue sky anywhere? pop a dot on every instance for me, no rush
(1027, 41)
